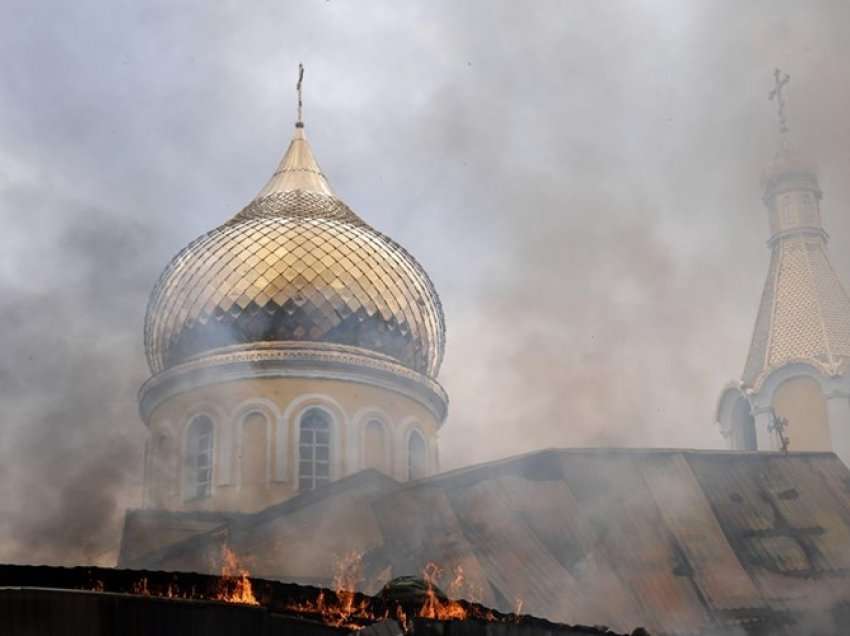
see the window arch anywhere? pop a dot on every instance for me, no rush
(198, 462)
(417, 456)
(314, 449)
(375, 445)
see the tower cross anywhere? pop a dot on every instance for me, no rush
(780, 80)
(300, 122)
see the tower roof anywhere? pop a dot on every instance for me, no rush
(804, 315)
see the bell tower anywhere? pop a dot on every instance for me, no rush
(798, 365)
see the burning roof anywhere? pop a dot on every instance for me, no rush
(101, 601)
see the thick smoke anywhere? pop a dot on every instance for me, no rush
(581, 180)
(72, 364)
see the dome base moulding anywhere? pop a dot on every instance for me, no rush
(297, 360)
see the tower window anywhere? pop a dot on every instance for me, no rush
(314, 449)
(199, 456)
(417, 457)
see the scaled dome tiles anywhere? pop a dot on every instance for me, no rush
(295, 265)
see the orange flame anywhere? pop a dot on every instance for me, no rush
(234, 585)
(344, 610)
(437, 608)
(349, 572)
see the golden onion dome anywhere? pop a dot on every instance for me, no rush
(297, 264)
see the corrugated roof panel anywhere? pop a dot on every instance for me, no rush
(836, 478)
(743, 511)
(803, 504)
(772, 510)
(512, 556)
(552, 513)
(722, 580)
(632, 532)
(306, 544)
(420, 526)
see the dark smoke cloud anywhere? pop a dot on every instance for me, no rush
(71, 444)
(582, 181)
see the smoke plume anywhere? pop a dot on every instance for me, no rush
(581, 180)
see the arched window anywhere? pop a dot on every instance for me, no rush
(198, 465)
(417, 458)
(314, 449)
(375, 448)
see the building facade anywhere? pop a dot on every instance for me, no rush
(294, 411)
(797, 372)
(289, 347)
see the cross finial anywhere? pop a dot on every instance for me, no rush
(780, 80)
(300, 122)
(778, 425)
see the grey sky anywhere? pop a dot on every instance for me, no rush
(580, 179)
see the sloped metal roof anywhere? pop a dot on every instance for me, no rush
(680, 542)
(677, 541)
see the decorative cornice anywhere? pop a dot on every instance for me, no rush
(836, 369)
(803, 230)
(308, 360)
(789, 181)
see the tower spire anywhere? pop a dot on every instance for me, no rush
(800, 348)
(805, 310)
(298, 170)
(300, 122)
(786, 166)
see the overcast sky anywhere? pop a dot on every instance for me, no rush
(582, 181)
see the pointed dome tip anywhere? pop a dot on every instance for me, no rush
(298, 169)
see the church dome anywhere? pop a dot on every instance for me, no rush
(295, 265)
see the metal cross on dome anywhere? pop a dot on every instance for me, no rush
(300, 122)
(780, 80)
